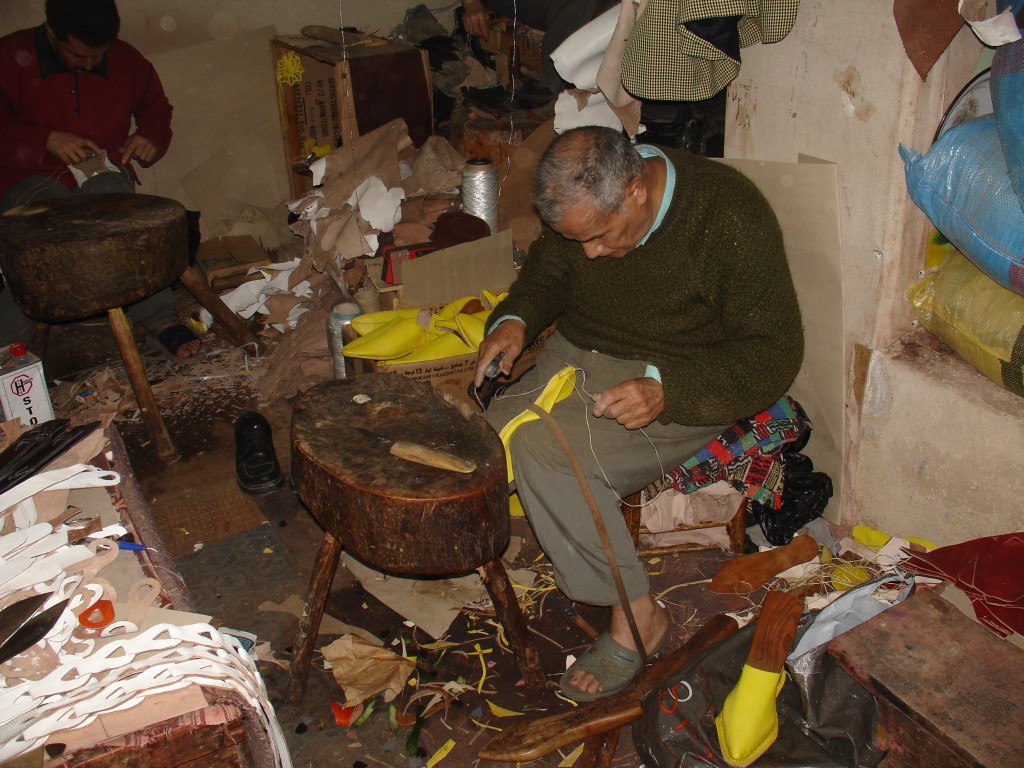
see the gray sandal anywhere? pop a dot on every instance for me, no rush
(613, 665)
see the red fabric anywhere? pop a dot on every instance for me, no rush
(32, 106)
(988, 570)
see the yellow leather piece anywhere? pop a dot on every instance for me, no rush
(875, 539)
(451, 309)
(490, 299)
(445, 345)
(559, 387)
(396, 339)
(749, 721)
(472, 329)
(364, 324)
(515, 506)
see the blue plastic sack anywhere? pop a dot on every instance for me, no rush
(962, 185)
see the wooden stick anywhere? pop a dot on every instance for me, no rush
(530, 739)
(775, 630)
(229, 322)
(599, 750)
(507, 609)
(136, 371)
(316, 599)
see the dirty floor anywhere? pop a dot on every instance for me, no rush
(237, 553)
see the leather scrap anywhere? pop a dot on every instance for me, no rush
(927, 27)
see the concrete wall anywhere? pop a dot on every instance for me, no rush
(840, 87)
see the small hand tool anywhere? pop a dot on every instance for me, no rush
(32, 631)
(494, 367)
(13, 616)
(421, 454)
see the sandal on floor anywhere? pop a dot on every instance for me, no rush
(174, 336)
(612, 664)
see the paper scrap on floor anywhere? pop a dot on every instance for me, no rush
(431, 604)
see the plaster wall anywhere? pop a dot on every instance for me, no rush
(214, 59)
(160, 25)
(920, 428)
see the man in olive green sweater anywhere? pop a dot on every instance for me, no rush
(666, 275)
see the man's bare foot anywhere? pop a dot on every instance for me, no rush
(178, 340)
(651, 620)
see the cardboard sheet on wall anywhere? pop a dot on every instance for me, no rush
(805, 197)
(462, 270)
(225, 124)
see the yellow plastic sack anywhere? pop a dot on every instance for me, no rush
(977, 317)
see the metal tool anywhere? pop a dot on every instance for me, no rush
(32, 631)
(421, 454)
(16, 614)
(494, 367)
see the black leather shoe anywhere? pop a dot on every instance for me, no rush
(255, 461)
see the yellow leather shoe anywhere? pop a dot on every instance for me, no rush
(445, 345)
(399, 337)
(749, 721)
(559, 387)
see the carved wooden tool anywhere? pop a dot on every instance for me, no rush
(530, 739)
(421, 454)
(775, 630)
(748, 573)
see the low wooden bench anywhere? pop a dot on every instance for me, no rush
(950, 693)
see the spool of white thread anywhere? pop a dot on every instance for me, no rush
(480, 191)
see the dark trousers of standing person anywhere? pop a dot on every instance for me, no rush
(557, 18)
(152, 312)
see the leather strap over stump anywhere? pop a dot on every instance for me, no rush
(602, 532)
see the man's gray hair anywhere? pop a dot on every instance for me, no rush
(590, 165)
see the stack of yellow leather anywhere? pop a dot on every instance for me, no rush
(400, 336)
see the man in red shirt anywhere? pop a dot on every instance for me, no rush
(71, 91)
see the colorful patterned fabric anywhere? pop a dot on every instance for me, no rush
(746, 454)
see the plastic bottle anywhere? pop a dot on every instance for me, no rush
(23, 391)
(341, 315)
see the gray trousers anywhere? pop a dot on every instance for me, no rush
(616, 462)
(152, 312)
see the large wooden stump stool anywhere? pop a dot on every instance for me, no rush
(393, 514)
(71, 257)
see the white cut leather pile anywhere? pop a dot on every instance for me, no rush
(82, 670)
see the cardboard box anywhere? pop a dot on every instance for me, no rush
(437, 278)
(226, 261)
(329, 94)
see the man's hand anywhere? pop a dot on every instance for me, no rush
(634, 403)
(138, 148)
(476, 19)
(509, 338)
(69, 148)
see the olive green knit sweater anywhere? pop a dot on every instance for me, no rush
(708, 299)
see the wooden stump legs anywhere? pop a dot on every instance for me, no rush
(511, 617)
(140, 384)
(494, 577)
(305, 638)
(228, 320)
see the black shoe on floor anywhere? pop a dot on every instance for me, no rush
(255, 461)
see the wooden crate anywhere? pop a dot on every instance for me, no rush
(516, 48)
(477, 134)
(329, 94)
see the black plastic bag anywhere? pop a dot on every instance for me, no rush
(826, 719)
(805, 494)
